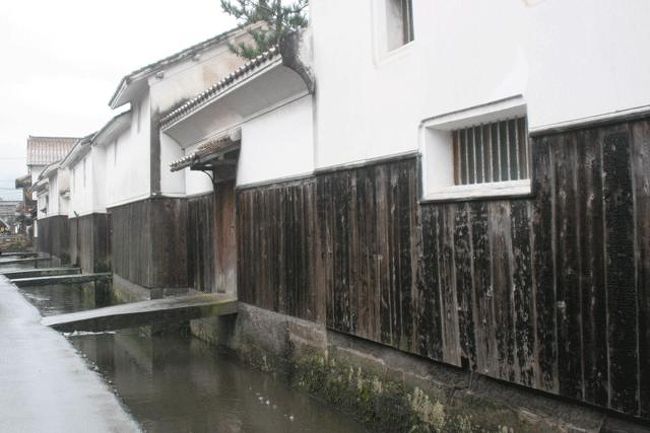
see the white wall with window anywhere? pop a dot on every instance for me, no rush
(482, 151)
(400, 64)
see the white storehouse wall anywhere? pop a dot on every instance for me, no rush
(126, 160)
(278, 144)
(468, 53)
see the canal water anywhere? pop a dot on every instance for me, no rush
(173, 383)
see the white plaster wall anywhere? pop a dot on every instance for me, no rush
(127, 161)
(53, 206)
(41, 200)
(98, 179)
(278, 144)
(587, 58)
(570, 59)
(63, 181)
(187, 79)
(35, 171)
(64, 205)
(171, 183)
(81, 193)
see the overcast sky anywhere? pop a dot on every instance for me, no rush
(63, 59)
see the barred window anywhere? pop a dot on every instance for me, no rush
(491, 152)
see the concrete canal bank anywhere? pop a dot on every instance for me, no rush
(391, 391)
(46, 386)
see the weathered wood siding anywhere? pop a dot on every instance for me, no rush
(54, 237)
(90, 242)
(201, 242)
(277, 246)
(368, 226)
(149, 241)
(551, 292)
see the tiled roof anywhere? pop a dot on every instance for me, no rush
(206, 149)
(169, 60)
(221, 86)
(46, 150)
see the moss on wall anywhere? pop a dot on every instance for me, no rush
(383, 404)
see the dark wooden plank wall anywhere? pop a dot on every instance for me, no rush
(368, 226)
(201, 242)
(90, 242)
(54, 237)
(168, 219)
(149, 242)
(276, 249)
(551, 292)
(131, 242)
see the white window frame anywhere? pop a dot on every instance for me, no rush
(437, 153)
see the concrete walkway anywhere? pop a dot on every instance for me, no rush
(45, 386)
(156, 311)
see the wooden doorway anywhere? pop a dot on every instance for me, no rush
(225, 238)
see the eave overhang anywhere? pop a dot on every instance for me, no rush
(275, 78)
(267, 88)
(219, 154)
(24, 181)
(113, 128)
(116, 126)
(77, 152)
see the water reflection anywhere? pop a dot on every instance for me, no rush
(180, 384)
(59, 299)
(172, 383)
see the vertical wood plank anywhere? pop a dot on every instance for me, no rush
(641, 173)
(592, 265)
(429, 326)
(566, 278)
(486, 345)
(463, 264)
(524, 305)
(621, 290)
(543, 185)
(446, 265)
(500, 242)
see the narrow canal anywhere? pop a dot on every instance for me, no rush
(173, 383)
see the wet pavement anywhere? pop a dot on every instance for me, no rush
(173, 383)
(45, 385)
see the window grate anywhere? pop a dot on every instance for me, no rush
(492, 152)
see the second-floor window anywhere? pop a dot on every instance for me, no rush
(399, 23)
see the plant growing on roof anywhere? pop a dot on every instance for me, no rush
(278, 19)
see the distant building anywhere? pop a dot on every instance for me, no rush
(120, 188)
(8, 222)
(43, 151)
(27, 208)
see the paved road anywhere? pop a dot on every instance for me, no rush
(45, 386)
